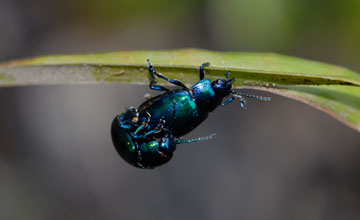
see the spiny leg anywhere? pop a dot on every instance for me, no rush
(153, 73)
(144, 123)
(202, 71)
(153, 79)
(182, 141)
(158, 128)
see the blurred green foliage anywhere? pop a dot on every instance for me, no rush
(110, 11)
(323, 29)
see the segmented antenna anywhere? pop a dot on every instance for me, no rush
(182, 141)
(262, 98)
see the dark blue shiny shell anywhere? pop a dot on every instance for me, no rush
(141, 152)
(123, 142)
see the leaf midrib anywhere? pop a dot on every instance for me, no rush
(328, 80)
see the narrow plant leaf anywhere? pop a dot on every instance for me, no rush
(340, 101)
(333, 89)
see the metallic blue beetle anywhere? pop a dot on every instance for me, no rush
(146, 137)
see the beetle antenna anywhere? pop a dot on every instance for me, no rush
(182, 141)
(261, 98)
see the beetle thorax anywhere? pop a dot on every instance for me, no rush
(205, 96)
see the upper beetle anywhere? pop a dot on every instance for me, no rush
(146, 137)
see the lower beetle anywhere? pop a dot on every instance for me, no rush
(147, 137)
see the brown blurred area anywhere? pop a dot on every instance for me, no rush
(277, 160)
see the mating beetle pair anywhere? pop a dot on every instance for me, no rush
(147, 137)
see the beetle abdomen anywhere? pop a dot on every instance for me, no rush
(123, 142)
(139, 151)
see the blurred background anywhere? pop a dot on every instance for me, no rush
(278, 160)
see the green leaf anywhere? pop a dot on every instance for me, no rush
(333, 89)
(340, 101)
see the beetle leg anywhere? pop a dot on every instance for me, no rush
(140, 128)
(242, 102)
(161, 123)
(144, 124)
(156, 87)
(228, 101)
(236, 96)
(154, 73)
(129, 118)
(202, 71)
(158, 128)
(151, 132)
(148, 116)
(227, 75)
(182, 141)
(153, 79)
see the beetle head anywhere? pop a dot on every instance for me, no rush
(222, 87)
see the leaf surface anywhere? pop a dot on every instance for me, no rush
(333, 89)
